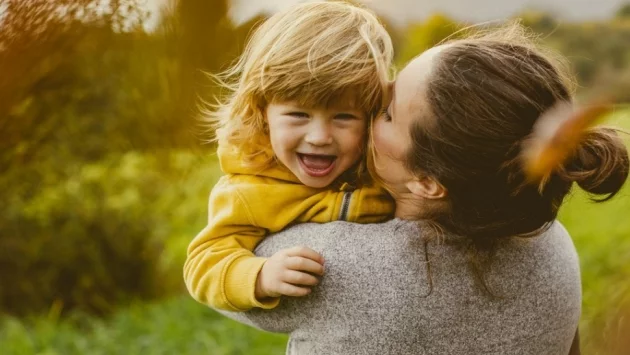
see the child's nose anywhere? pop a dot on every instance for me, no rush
(319, 135)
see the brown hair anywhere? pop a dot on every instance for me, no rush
(485, 95)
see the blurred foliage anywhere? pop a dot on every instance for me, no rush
(92, 90)
(92, 110)
(91, 235)
(177, 326)
(422, 36)
(599, 52)
(624, 11)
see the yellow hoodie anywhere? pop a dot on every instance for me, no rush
(245, 205)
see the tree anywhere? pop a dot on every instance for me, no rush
(90, 108)
(43, 43)
(67, 89)
(624, 11)
(204, 40)
(540, 22)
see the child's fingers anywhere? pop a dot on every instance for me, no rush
(299, 278)
(305, 253)
(294, 291)
(299, 263)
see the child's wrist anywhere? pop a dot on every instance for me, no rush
(259, 291)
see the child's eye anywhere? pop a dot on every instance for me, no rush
(345, 116)
(298, 114)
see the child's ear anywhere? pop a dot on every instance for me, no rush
(427, 187)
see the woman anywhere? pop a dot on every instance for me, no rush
(474, 262)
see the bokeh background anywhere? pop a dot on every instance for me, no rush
(104, 174)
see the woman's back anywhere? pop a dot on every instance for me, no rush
(380, 295)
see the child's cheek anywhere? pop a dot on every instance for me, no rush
(363, 135)
(357, 142)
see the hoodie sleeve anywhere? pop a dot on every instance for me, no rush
(221, 269)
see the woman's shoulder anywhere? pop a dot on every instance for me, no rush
(549, 250)
(540, 264)
(554, 245)
(338, 233)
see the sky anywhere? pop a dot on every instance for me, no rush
(401, 12)
(405, 11)
(487, 10)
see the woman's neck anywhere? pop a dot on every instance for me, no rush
(412, 207)
(408, 207)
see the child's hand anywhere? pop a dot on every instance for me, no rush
(288, 271)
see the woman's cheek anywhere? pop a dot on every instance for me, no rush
(377, 135)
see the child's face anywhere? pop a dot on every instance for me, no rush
(317, 144)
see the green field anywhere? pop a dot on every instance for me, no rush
(180, 326)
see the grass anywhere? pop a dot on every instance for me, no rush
(181, 326)
(176, 326)
(602, 236)
(601, 233)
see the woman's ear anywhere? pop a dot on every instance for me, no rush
(427, 187)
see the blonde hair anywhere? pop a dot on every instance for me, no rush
(313, 53)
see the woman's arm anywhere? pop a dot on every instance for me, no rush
(274, 320)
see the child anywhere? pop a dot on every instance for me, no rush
(291, 141)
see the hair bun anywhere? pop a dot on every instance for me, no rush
(564, 143)
(600, 164)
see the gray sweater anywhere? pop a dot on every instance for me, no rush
(380, 294)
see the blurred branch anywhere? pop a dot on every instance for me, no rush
(39, 40)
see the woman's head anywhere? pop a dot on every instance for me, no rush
(459, 116)
(311, 55)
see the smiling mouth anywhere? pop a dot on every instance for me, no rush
(317, 165)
